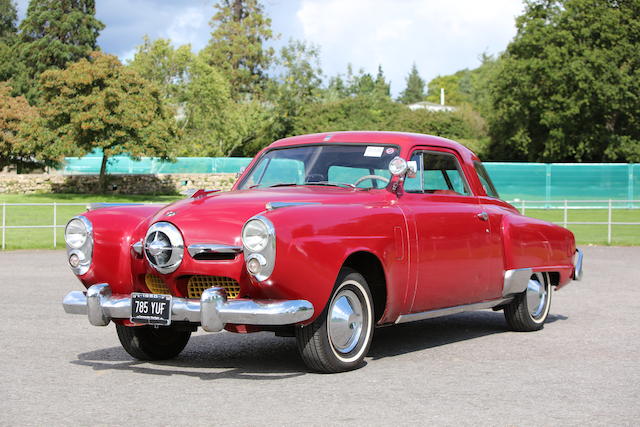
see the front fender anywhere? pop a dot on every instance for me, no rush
(114, 231)
(311, 252)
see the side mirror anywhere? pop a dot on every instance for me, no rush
(399, 167)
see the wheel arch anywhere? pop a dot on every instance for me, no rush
(371, 268)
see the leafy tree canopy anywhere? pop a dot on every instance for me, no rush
(98, 103)
(15, 112)
(567, 88)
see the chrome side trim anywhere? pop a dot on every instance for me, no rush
(515, 281)
(270, 206)
(208, 248)
(412, 317)
(577, 271)
(212, 310)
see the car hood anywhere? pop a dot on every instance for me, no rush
(219, 217)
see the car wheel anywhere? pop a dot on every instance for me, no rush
(529, 310)
(150, 343)
(339, 339)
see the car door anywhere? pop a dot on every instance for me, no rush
(453, 245)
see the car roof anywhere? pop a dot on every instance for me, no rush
(404, 140)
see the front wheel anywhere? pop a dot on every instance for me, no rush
(151, 343)
(339, 339)
(529, 310)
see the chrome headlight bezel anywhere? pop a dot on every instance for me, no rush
(162, 237)
(84, 250)
(265, 251)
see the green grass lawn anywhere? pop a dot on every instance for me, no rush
(43, 215)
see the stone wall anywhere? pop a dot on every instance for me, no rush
(118, 184)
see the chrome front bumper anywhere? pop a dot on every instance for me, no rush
(577, 264)
(212, 311)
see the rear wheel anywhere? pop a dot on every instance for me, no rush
(150, 343)
(529, 310)
(339, 339)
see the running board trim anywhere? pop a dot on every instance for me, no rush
(412, 317)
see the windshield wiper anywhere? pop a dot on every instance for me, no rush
(279, 184)
(332, 184)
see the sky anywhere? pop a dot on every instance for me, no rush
(439, 36)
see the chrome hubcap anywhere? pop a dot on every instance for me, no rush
(345, 321)
(536, 297)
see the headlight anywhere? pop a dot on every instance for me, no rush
(259, 241)
(75, 234)
(255, 235)
(78, 235)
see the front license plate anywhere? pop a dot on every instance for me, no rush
(151, 309)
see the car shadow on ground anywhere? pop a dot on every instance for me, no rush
(422, 335)
(263, 356)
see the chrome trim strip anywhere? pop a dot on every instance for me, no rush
(577, 271)
(209, 248)
(430, 314)
(212, 311)
(516, 281)
(270, 206)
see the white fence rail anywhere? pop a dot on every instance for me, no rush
(524, 205)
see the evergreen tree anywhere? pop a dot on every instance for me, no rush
(8, 36)
(236, 47)
(8, 18)
(53, 34)
(382, 87)
(414, 92)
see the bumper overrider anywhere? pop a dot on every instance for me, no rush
(212, 311)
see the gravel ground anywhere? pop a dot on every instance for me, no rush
(466, 369)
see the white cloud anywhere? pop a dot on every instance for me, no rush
(189, 27)
(441, 37)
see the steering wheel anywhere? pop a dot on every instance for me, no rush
(372, 177)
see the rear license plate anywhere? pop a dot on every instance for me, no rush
(151, 309)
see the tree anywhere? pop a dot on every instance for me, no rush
(15, 112)
(567, 87)
(297, 86)
(414, 92)
(8, 36)
(158, 61)
(8, 19)
(98, 103)
(240, 31)
(213, 124)
(382, 87)
(53, 34)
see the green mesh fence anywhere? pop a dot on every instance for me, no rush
(539, 182)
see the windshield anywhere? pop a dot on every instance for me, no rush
(339, 165)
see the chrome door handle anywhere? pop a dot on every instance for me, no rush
(483, 216)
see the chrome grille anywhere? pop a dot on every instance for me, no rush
(197, 284)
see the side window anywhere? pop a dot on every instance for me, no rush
(485, 180)
(438, 173)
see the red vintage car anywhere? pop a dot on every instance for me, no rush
(323, 237)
